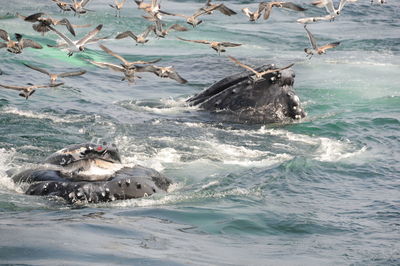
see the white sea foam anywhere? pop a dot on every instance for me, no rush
(167, 199)
(34, 115)
(5, 164)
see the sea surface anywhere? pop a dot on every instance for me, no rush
(321, 191)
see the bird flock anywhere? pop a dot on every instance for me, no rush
(153, 13)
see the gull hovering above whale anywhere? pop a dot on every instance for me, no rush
(317, 49)
(77, 46)
(64, 6)
(53, 77)
(253, 16)
(16, 46)
(79, 7)
(258, 75)
(217, 46)
(26, 91)
(43, 23)
(193, 19)
(220, 7)
(162, 72)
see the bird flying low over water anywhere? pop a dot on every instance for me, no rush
(160, 32)
(316, 19)
(193, 19)
(328, 4)
(79, 7)
(220, 7)
(253, 16)
(267, 7)
(217, 46)
(26, 91)
(141, 38)
(162, 72)
(53, 77)
(258, 75)
(77, 46)
(118, 6)
(64, 6)
(318, 50)
(16, 46)
(43, 23)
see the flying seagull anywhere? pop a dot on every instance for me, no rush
(258, 75)
(53, 77)
(16, 46)
(26, 91)
(318, 50)
(217, 46)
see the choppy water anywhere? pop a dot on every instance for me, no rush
(324, 191)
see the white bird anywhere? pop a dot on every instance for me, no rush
(315, 19)
(77, 46)
(328, 4)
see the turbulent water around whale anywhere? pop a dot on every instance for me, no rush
(321, 191)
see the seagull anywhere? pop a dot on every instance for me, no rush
(378, 1)
(318, 50)
(160, 32)
(217, 46)
(193, 20)
(64, 6)
(118, 6)
(141, 38)
(43, 23)
(53, 77)
(126, 64)
(267, 7)
(16, 46)
(328, 4)
(315, 19)
(26, 91)
(253, 16)
(77, 46)
(162, 72)
(258, 75)
(220, 7)
(79, 7)
(129, 73)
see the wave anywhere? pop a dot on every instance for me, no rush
(6, 159)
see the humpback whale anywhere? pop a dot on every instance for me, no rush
(91, 173)
(244, 99)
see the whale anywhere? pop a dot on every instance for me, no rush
(73, 174)
(242, 98)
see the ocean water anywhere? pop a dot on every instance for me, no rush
(322, 191)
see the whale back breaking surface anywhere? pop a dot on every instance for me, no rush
(240, 98)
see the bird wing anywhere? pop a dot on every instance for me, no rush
(311, 38)
(146, 62)
(246, 11)
(225, 10)
(108, 51)
(292, 6)
(17, 88)
(71, 74)
(177, 27)
(109, 65)
(33, 17)
(344, 2)
(267, 10)
(66, 39)
(147, 31)
(196, 41)
(276, 70)
(4, 35)
(230, 44)
(84, 2)
(81, 26)
(148, 68)
(3, 44)
(126, 34)
(38, 69)
(242, 65)
(329, 46)
(174, 75)
(328, 4)
(46, 86)
(90, 35)
(29, 43)
(66, 22)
